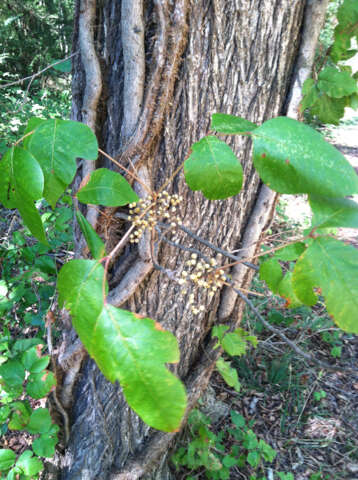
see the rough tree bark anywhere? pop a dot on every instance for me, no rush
(148, 76)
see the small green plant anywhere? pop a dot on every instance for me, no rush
(285, 476)
(333, 85)
(218, 453)
(318, 396)
(24, 376)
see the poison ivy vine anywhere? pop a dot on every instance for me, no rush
(133, 350)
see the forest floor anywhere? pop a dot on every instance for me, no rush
(307, 414)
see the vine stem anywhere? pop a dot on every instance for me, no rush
(22, 138)
(133, 175)
(119, 245)
(261, 254)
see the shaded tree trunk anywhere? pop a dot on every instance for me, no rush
(148, 81)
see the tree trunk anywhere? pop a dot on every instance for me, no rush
(148, 76)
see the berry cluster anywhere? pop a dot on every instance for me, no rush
(148, 211)
(201, 274)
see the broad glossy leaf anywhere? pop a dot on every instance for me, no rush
(80, 289)
(230, 124)
(134, 351)
(93, 240)
(31, 218)
(44, 446)
(331, 266)
(21, 412)
(310, 94)
(271, 273)
(12, 372)
(285, 290)
(228, 373)
(20, 173)
(348, 14)
(31, 126)
(290, 252)
(329, 110)
(56, 144)
(214, 169)
(29, 464)
(39, 385)
(108, 188)
(331, 212)
(21, 183)
(219, 332)
(33, 361)
(7, 459)
(40, 421)
(336, 84)
(126, 348)
(291, 157)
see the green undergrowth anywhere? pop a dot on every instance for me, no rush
(27, 292)
(17, 106)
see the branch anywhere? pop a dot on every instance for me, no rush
(37, 74)
(298, 350)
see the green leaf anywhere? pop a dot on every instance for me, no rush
(335, 83)
(39, 385)
(44, 446)
(290, 252)
(31, 218)
(32, 124)
(12, 372)
(29, 465)
(108, 188)
(329, 212)
(25, 343)
(214, 169)
(65, 66)
(21, 183)
(40, 421)
(7, 459)
(329, 110)
(229, 461)
(33, 361)
(285, 290)
(20, 173)
(271, 272)
(234, 343)
(353, 101)
(46, 264)
(79, 284)
(126, 348)
(237, 419)
(332, 266)
(253, 458)
(229, 374)
(288, 157)
(230, 124)
(93, 240)
(4, 413)
(21, 412)
(219, 331)
(56, 144)
(267, 452)
(250, 442)
(310, 94)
